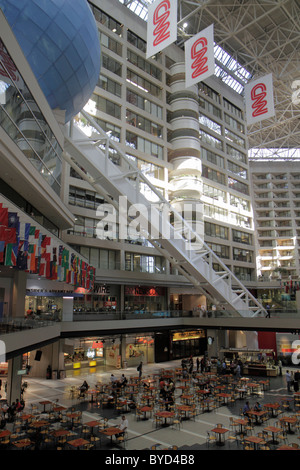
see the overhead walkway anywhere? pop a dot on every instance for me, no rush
(98, 159)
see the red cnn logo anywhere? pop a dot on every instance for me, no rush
(8, 63)
(198, 56)
(160, 21)
(258, 94)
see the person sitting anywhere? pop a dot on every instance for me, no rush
(246, 408)
(257, 406)
(123, 381)
(122, 426)
(83, 389)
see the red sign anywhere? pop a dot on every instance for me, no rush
(199, 57)
(258, 95)
(161, 25)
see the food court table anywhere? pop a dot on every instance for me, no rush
(290, 420)
(225, 397)
(112, 431)
(285, 447)
(220, 432)
(258, 415)
(45, 403)
(144, 409)
(254, 440)
(274, 430)
(165, 415)
(274, 407)
(22, 443)
(92, 425)
(185, 408)
(78, 442)
(242, 422)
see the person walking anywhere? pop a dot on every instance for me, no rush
(140, 369)
(288, 378)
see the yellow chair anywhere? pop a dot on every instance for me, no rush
(210, 439)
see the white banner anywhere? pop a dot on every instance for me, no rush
(161, 26)
(199, 56)
(259, 99)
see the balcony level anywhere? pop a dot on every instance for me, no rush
(19, 338)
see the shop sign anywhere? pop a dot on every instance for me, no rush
(144, 290)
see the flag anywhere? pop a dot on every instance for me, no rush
(10, 235)
(259, 99)
(2, 247)
(11, 253)
(161, 26)
(199, 56)
(4, 216)
(13, 220)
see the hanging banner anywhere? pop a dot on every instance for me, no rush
(161, 26)
(259, 99)
(199, 56)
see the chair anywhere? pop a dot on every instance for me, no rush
(282, 436)
(121, 440)
(157, 421)
(210, 438)
(232, 424)
(177, 422)
(138, 414)
(232, 438)
(155, 446)
(95, 440)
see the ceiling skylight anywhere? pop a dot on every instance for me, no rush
(227, 68)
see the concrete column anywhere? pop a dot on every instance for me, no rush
(123, 349)
(18, 294)
(14, 380)
(67, 310)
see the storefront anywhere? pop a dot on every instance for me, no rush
(115, 352)
(143, 299)
(104, 298)
(88, 353)
(187, 343)
(139, 348)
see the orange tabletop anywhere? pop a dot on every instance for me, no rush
(273, 407)
(242, 422)
(274, 430)
(26, 417)
(220, 432)
(5, 433)
(286, 448)
(112, 431)
(22, 443)
(289, 420)
(39, 424)
(60, 432)
(78, 442)
(254, 440)
(92, 423)
(257, 414)
(165, 415)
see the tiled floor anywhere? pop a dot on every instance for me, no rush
(143, 434)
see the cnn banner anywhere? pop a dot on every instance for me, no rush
(161, 26)
(199, 56)
(259, 99)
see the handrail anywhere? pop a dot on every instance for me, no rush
(196, 249)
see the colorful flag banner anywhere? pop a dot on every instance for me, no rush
(25, 247)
